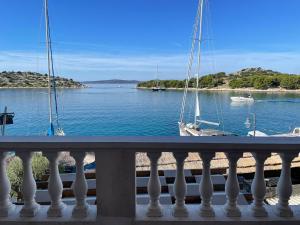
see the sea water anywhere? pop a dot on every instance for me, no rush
(111, 109)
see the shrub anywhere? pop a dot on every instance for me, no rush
(261, 82)
(15, 175)
(15, 171)
(290, 82)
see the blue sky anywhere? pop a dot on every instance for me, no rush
(99, 39)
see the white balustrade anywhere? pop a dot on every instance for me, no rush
(80, 187)
(284, 186)
(258, 187)
(30, 207)
(179, 209)
(116, 176)
(206, 185)
(55, 186)
(5, 204)
(232, 187)
(154, 187)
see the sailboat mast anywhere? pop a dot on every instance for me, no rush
(49, 61)
(200, 38)
(157, 81)
(197, 105)
(190, 65)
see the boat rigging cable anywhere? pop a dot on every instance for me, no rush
(198, 36)
(190, 64)
(212, 54)
(197, 106)
(51, 74)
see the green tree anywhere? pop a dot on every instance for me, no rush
(40, 166)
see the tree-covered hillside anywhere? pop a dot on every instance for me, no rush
(33, 80)
(256, 78)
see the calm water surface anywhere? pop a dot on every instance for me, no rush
(112, 110)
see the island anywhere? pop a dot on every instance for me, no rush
(250, 79)
(34, 80)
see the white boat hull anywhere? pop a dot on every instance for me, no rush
(185, 131)
(294, 133)
(242, 99)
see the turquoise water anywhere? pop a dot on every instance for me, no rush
(112, 110)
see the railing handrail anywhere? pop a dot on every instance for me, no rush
(157, 144)
(116, 178)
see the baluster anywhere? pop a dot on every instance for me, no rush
(284, 186)
(154, 187)
(206, 185)
(55, 186)
(5, 204)
(232, 187)
(179, 209)
(258, 187)
(80, 187)
(30, 207)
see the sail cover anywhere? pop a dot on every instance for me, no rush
(197, 106)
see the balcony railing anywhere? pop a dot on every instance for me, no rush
(116, 177)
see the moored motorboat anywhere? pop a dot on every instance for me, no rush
(248, 99)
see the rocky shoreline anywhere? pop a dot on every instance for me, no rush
(273, 90)
(29, 80)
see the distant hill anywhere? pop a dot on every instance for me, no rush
(255, 78)
(33, 80)
(113, 81)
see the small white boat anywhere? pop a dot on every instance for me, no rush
(242, 99)
(294, 133)
(257, 133)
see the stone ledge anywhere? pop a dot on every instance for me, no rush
(41, 217)
(142, 219)
(220, 218)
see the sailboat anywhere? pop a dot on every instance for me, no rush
(157, 86)
(195, 128)
(52, 94)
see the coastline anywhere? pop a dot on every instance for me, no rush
(42, 87)
(273, 90)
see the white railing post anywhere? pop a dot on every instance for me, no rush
(284, 186)
(154, 186)
(116, 183)
(206, 185)
(258, 187)
(80, 187)
(179, 209)
(5, 204)
(232, 187)
(30, 207)
(55, 186)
